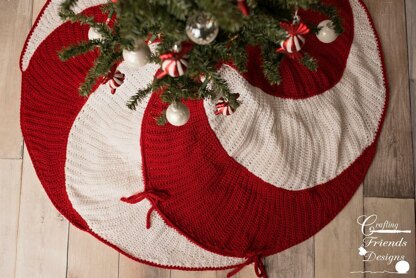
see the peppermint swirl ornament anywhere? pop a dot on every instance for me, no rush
(223, 107)
(114, 79)
(175, 63)
(294, 40)
(175, 66)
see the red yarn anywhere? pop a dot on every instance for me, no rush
(259, 268)
(218, 203)
(47, 118)
(296, 77)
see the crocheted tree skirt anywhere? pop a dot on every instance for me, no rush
(221, 191)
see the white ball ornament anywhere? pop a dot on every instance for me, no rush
(138, 57)
(326, 32)
(178, 114)
(94, 34)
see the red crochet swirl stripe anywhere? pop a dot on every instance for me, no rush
(219, 204)
(47, 117)
(50, 102)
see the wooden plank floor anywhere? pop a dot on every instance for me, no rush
(36, 241)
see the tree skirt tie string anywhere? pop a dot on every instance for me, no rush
(259, 268)
(286, 166)
(53, 118)
(287, 161)
(154, 198)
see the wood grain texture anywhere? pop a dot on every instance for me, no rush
(88, 257)
(393, 164)
(401, 212)
(42, 239)
(336, 246)
(15, 22)
(297, 261)
(37, 7)
(10, 183)
(42, 233)
(129, 268)
(411, 36)
(246, 272)
(411, 50)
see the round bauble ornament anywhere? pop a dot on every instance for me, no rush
(93, 34)
(177, 114)
(139, 56)
(202, 28)
(326, 32)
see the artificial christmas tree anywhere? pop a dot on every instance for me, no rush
(220, 191)
(192, 38)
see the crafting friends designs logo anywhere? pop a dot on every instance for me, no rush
(378, 234)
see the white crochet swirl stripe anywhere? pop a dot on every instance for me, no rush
(104, 164)
(298, 144)
(49, 20)
(120, 224)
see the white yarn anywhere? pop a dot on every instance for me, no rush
(104, 164)
(298, 144)
(48, 22)
(303, 142)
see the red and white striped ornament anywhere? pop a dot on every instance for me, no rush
(114, 79)
(175, 63)
(223, 107)
(294, 40)
(243, 7)
(175, 66)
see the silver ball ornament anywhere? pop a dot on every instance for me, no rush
(326, 32)
(202, 28)
(138, 57)
(178, 114)
(94, 34)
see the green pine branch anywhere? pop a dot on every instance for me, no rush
(136, 19)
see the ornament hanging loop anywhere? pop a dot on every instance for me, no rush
(296, 17)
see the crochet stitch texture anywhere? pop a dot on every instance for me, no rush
(240, 187)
